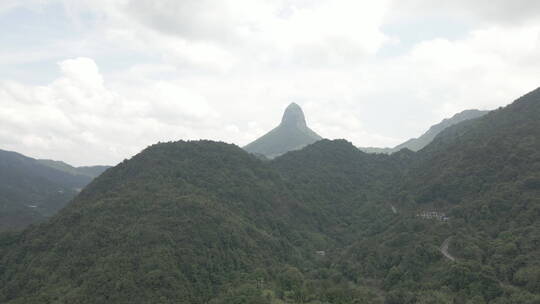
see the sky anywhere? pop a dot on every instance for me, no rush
(95, 82)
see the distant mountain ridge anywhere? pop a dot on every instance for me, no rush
(416, 144)
(291, 134)
(90, 171)
(32, 190)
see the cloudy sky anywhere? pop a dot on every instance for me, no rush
(96, 81)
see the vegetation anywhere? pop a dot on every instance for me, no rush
(31, 191)
(206, 222)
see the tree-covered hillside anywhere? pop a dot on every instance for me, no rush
(177, 223)
(481, 178)
(206, 222)
(31, 191)
(342, 185)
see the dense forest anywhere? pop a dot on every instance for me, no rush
(206, 222)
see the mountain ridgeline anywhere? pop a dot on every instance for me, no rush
(291, 134)
(89, 171)
(207, 222)
(416, 144)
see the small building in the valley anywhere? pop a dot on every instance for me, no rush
(433, 215)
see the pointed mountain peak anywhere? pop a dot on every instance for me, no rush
(293, 116)
(291, 134)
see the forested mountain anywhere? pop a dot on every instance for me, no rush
(31, 191)
(484, 176)
(415, 144)
(206, 222)
(291, 134)
(176, 224)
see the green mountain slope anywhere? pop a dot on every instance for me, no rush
(17, 216)
(483, 175)
(342, 185)
(31, 191)
(177, 223)
(291, 134)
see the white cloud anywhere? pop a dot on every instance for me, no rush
(483, 70)
(95, 123)
(225, 70)
(506, 12)
(231, 33)
(7, 5)
(84, 72)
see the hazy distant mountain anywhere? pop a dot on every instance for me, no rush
(31, 189)
(90, 171)
(291, 134)
(416, 144)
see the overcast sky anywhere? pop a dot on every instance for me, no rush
(96, 81)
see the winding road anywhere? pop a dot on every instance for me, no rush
(444, 249)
